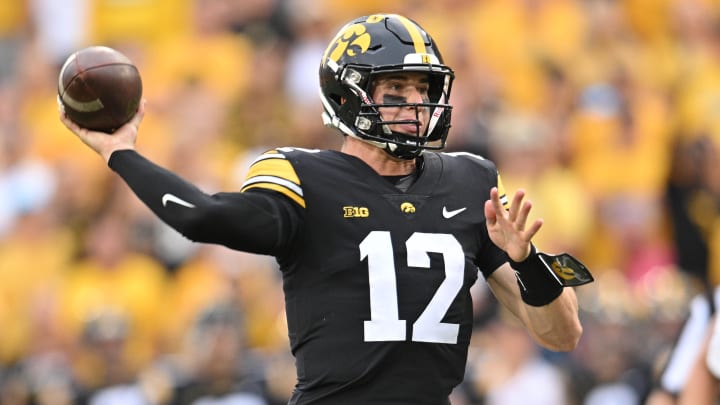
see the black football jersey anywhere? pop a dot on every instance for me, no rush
(376, 279)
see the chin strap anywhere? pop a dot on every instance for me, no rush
(402, 152)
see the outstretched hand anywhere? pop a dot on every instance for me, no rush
(103, 143)
(507, 228)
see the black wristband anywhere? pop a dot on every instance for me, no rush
(538, 284)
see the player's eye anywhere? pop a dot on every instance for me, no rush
(395, 87)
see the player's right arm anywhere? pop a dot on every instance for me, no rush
(259, 221)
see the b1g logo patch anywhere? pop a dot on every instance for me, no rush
(355, 212)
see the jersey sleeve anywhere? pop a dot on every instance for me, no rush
(258, 222)
(272, 171)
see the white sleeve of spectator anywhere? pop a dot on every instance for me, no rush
(687, 347)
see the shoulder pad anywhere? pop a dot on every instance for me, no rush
(273, 171)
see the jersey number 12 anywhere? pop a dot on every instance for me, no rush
(384, 323)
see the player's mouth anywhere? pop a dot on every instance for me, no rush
(407, 129)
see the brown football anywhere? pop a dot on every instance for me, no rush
(100, 88)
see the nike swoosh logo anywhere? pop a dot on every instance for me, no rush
(449, 214)
(167, 197)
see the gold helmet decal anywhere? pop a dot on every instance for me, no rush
(415, 34)
(407, 208)
(354, 39)
(351, 40)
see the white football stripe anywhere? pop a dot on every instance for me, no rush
(276, 180)
(82, 106)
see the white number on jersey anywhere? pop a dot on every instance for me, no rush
(385, 323)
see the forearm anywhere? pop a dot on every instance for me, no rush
(555, 325)
(230, 219)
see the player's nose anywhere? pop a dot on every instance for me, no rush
(414, 96)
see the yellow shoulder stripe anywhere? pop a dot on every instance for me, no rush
(502, 194)
(272, 171)
(276, 167)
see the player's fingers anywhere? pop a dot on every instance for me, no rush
(69, 124)
(522, 216)
(61, 108)
(516, 205)
(495, 200)
(134, 123)
(61, 113)
(533, 229)
(86, 136)
(140, 114)
(490, 213)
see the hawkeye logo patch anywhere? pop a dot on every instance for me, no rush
(568, 270)
(564, 272)
(355, 212)
(352, 41)
(407, 208)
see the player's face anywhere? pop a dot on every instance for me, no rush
(411, 87)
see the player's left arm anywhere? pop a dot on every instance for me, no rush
(555, 325)
(525, 285)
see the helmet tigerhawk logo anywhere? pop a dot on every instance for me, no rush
(407, 208)
(353, 40)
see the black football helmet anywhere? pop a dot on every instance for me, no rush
(374, 45)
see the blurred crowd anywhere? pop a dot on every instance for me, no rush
(606, 111)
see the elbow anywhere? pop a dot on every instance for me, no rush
(193, 225)
(564, 340)
(567, 344)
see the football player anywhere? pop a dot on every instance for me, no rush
(379, 242)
